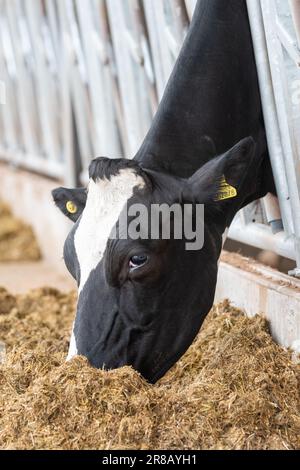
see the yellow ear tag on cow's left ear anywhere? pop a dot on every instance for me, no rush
(226, 191)
(71, 207)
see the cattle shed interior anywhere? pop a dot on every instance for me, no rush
(67, 96)
(99, 81)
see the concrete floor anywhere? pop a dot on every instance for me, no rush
(21, 277)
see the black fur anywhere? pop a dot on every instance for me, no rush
(148, 317)
(78, 196)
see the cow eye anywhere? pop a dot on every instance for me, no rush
(137, 261)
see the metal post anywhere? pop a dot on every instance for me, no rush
(142, 33)
(295, 7)
(70, 177)
(162, 57)
(261, 236)
(98, 79)
(284, 118)
(109, 59)
(181, 18)
(273, 214)
(270, 112)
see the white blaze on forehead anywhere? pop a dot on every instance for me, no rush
(105, 201)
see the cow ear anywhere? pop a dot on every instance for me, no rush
(70, 201)
(221, 180)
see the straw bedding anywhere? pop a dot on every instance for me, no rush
(17, 240)
(234, 388)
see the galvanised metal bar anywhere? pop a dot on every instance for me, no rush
(140, 26)
(76, 99)
(18, 46)
(106, 134)
(44, 166)
(108, 59)
(273, 213)
(295, 7)
(288, 43)
(284, 113)
(270, 113)
(51, 10)
(10, 124)
(47, 102)
(162, 56)
(261, 237)
(65, 73)
(181, 18)
(131, 77)
(91, 73)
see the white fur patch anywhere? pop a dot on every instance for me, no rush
(105, 201)
(73, 347)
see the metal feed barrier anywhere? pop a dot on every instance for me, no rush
(99, 66)
(80, 79)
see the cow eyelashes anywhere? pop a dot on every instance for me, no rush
(137, 261)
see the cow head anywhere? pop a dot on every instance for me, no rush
(142, 300)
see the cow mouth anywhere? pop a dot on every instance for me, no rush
(122, 343)
(150, 373)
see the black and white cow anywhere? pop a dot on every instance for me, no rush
(142, 302)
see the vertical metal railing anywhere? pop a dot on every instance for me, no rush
(278, 59)
(84, 78)
(98, 65)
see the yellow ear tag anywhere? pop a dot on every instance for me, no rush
(71, 207)
(226, 191)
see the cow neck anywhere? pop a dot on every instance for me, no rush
(213, 91)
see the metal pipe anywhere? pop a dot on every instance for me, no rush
(106, 37)
(43, 166)
(269, 109)
(273, 213)
(143, 37)
(66, 60)
(284, 117)
(295, 7)
(261, 237)
(288, 43)
(181, 18)
(163, 60)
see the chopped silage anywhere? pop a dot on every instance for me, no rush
(17, 240)
(235, 388)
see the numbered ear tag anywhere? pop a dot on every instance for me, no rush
(225, 191)
(71, 207)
